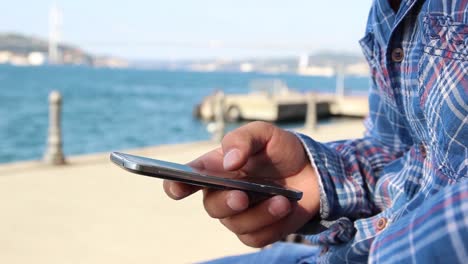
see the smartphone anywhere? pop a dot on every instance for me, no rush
(209, 179)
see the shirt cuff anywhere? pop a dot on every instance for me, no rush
(324, 204)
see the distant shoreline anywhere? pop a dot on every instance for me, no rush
(156, 69)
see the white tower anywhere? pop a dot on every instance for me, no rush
(55, 25)
(303, 61)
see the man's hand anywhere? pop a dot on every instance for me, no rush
(259, 150)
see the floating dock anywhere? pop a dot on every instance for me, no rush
(275, 102)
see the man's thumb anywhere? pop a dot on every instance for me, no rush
(232, 159)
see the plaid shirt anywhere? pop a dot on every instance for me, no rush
(415, 146)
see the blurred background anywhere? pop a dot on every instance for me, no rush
(131, 73)
(142, 75)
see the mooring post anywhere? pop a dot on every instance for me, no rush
(340, 82)
(311, 116)
(218, 133)
(54, 154)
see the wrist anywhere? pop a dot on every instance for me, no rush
(311, 191)
(306, 181)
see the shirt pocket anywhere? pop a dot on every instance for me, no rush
(443, 88)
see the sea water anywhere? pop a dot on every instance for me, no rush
(112, 109)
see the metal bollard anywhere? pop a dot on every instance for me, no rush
(219, 130)
(340, 85)
(311, 117)
(54, 154)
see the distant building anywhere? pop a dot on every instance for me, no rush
(246, 67)
(317, 71)
(110, 62)
(313, 70)
(36, 58)
(328, 67)
(5, 57)
(358, 69)
(19, 60)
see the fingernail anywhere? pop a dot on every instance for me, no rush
(235, 203)
(231, 158)
(177, 192)
(279, 206)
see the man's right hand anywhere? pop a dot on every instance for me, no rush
(261, 150)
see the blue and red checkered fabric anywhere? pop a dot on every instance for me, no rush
(400, 193)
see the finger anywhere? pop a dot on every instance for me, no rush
(244, 142)
(212, 160)
(263, 237)
(256, 218)
(222, 204)
(276, 231)
(262, 166)
(211, 164)
(178, 190)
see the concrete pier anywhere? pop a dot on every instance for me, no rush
(91, 211)
(284, 106)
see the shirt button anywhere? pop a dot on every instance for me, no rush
(381, 224)
(397, 55)
(422, 150)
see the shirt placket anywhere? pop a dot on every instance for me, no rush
(395, 52)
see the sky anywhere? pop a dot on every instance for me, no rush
(196, 29)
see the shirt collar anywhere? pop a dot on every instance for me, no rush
(386, 20)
